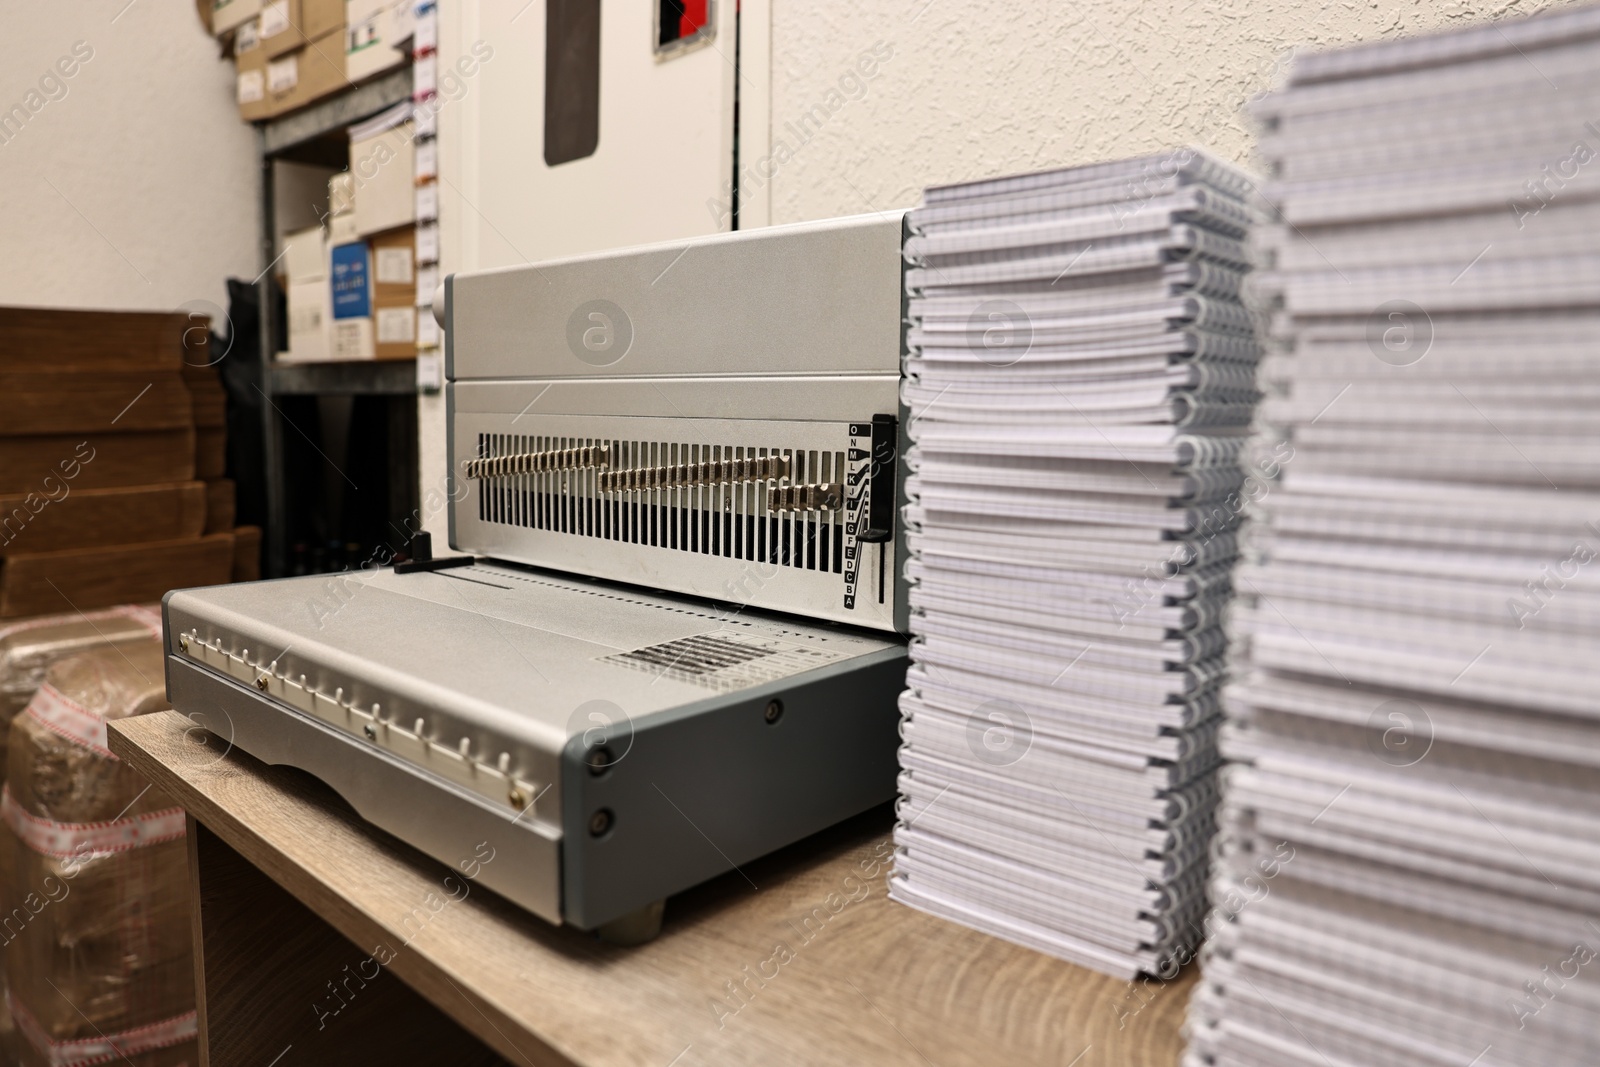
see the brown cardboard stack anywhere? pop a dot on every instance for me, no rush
(104, 437)
(94, 876)
(289, 54)
(394, 292)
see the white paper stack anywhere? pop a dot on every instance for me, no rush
(1410, 840)
(1079, 382)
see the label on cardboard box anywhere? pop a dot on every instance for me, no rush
(352, 293)
(393, 267)
(352, 338)
(252, 86)
(427, 202)
(275, 18)
(427, 160)
(427, 328)
(247, 38)
(425, 37)
(425, 116)
(363, 34)
(430, 371)
(427, 283)
(305, 309)
(424, 76)
(427, 244)
(283, 74)
(397, 326)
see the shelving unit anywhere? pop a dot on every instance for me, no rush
(311, 135)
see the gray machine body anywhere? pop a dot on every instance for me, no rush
(661, 449)
(784, 342)
(461, 711)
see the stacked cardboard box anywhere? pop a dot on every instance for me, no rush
(377, 29)
(287, 53)
(305, 267)
(106, 435)
(352, 286)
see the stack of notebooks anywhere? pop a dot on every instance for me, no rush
(1410, 845)
(1079, 381)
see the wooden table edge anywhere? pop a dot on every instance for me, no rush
(353, 923)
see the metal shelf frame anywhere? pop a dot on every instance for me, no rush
(277, 139)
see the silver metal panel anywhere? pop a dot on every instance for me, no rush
(716, 541)
(440, 704)
(441, 820)
(494, 657)
(818, 398)
(813, 298)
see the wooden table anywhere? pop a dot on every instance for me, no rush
(320, 940)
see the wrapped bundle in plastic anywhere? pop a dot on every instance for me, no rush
(95, 876)
(27, 650)
(28, 647)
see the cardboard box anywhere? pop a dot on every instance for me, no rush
(373, 28)
(285, 25)
(92, 518)
(394, 281)
(319, 18)
(342, 230)
(247, 38)
(230, 14)
(250, 70)
(247, 553)
(305, 255)
(385, 192)
(394, 332)
(394, 265)
(278, 27)
(269, 86)
(342, 193)
(36, 582)
(310, 322)
(307, 74)
(352, 339)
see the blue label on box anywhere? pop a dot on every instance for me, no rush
(352, 288)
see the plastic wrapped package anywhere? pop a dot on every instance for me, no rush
(27, 649)
(30, 646)
(95, 874)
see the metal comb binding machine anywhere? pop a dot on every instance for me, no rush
(676, 643)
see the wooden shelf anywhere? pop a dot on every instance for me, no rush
(799, 959)
(336, 112)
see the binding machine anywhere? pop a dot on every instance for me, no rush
(671, 640)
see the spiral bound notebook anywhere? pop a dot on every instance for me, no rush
(1410, 836)
(1079, 381)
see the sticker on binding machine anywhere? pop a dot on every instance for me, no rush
(857, 497)
(725, 661)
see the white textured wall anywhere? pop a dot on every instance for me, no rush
(137, 188)
(987, 87)
(977, 88)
